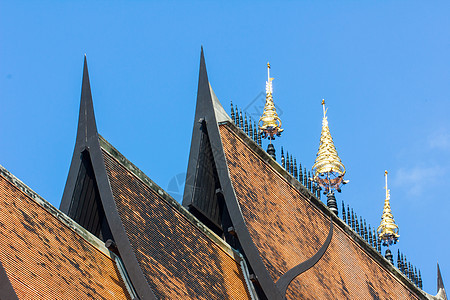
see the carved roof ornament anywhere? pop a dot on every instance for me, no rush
(269, 123)
(388, 230)
(328, 168)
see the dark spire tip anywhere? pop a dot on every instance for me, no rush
(343, 212)
(420, 280)
(86, 116)
(440, 282)
(291, 165)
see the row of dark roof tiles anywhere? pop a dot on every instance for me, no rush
(369, 234)
(289, 163)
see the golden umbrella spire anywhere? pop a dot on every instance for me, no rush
(328, 168)
(269, 123)
(388, 230)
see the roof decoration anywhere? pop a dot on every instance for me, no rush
(266, 263)
(269, 123)
(263, 212)
(44, 253)
(388, 230)
(440, 285)
(365, 231)
(328, 168)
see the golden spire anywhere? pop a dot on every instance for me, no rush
(388, 230)
(269, 123)
(327, 160)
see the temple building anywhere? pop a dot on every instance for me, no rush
(248, 227)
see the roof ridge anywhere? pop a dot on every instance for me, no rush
(56, 213)
(128, 165)
(284, 174)
(269, 159)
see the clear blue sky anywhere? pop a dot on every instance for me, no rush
(383, 67)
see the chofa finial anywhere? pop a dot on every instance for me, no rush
(323, 108)
(440, 284)
(388, 230)
(328, 168)
(269, 123)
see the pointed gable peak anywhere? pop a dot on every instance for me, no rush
(203, 74)
(203, 91)
(440, 282)
(85, 87)
(207, 100)
(87, 127)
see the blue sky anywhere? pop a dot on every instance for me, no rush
(383, 68)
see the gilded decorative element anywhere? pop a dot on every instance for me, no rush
(388, 230)
(269, 123)
(328, 168)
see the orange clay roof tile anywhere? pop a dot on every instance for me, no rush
(177, 258)
(287, 229)
(46, 259)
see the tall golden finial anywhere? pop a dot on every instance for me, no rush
(269, 123)
(328, 168)
(388, 230)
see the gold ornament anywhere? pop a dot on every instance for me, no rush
(269, 123)
(388, 230)
(328, 168)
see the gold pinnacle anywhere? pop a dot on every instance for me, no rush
(327, 159)
(388, 230)
(269, 123)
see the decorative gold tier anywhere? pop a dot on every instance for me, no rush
(269, 123)
(327, 159)
(388, 230)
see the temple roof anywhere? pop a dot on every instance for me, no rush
(288, 226)
(47, 255)
(180, 257)
(295, 246)
(247, 229)
(167, 252)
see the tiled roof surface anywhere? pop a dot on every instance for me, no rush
(177, 258)
(288, 229)
(45, 259)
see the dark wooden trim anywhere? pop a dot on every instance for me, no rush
(200, 113)
(338, 222)
(87, 130)
(250, 249)
(6, 289)
(440, 283)
(118, 231)
(88, 140)
(284, 281)
(206, 113)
